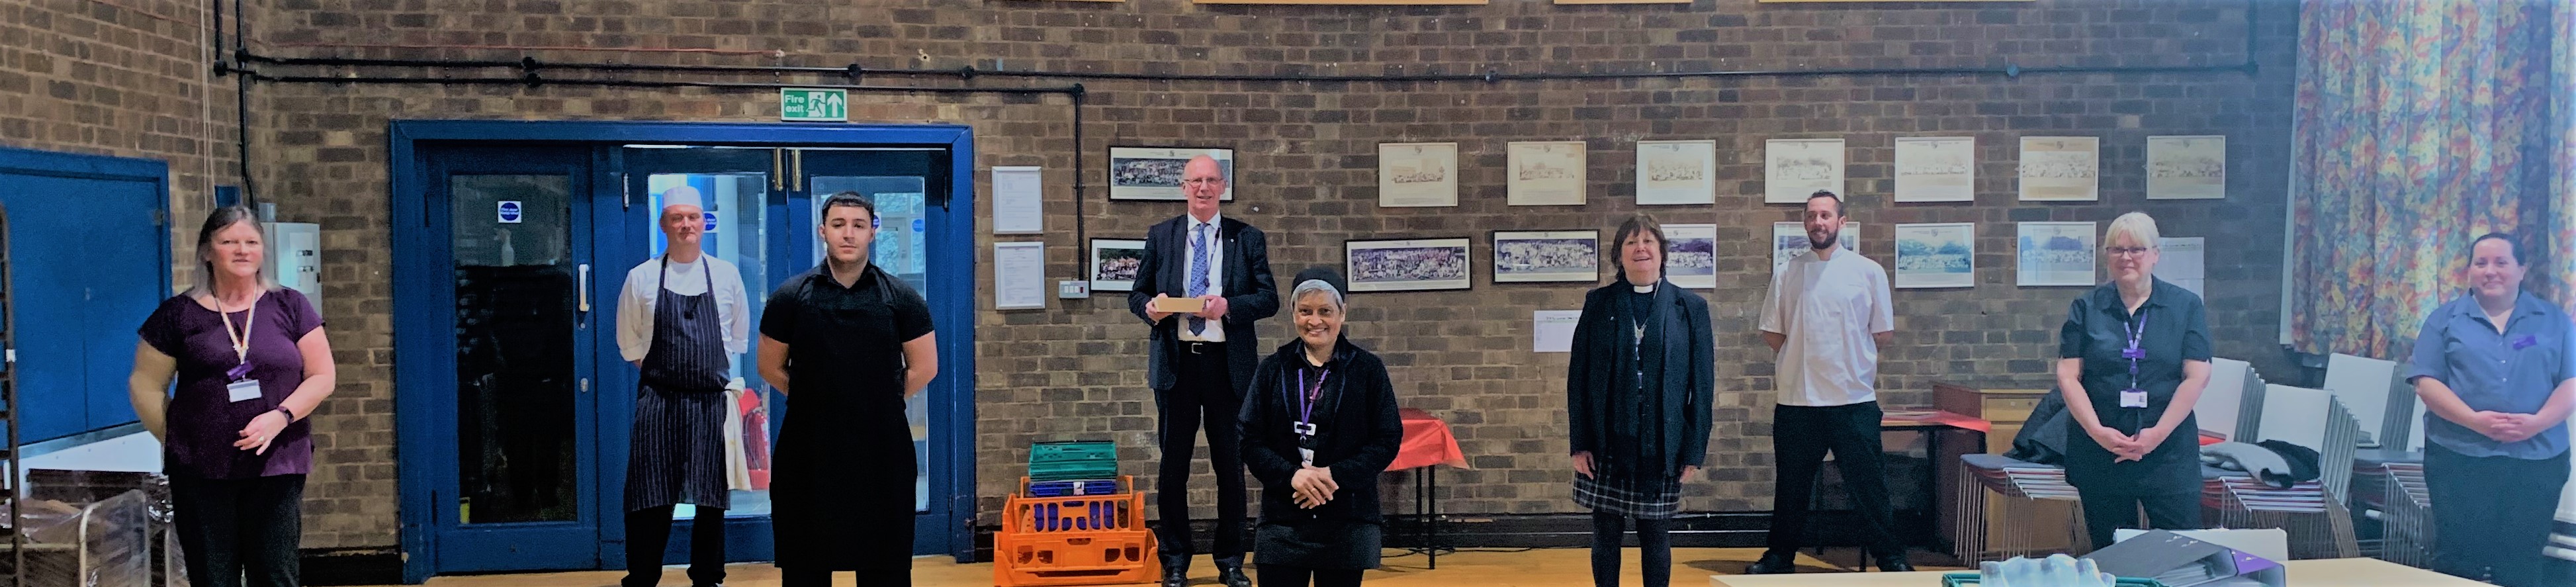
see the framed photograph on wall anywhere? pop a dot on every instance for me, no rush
(1409, 264)
(1548, 173)
(1113, 263)
(1550, 255)
(2061, 169)
(1793, 169)
(1417, 175)
(2187, 167)
(1154, 173)
(1676, 172)
(1690, 256)
(2055, 254)
(1936, 255)
(1936, 169)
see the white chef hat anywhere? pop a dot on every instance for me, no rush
(682, 196)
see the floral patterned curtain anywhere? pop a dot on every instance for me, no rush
(2419, 125)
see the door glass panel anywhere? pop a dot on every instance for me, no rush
(898, 250)
(735, 204)
(515, 323)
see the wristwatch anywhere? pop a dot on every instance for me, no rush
(290, 414)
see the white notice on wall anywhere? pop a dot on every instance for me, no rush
(1016, 197)
(1019, 276)
(2183, 261)
(1552, 331)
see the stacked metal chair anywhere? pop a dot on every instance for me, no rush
(2026, 483)
(2313, 512)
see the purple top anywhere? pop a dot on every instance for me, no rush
(204, 423)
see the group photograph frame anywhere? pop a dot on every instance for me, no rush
(1153, 173)
(1542, 256)
(1415, 264)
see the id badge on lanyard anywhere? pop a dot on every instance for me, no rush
(2133, 397)
(242, 387)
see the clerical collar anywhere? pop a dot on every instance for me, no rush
(1643, 289)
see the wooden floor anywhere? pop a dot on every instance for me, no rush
(1552, 567)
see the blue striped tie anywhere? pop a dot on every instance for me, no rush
(1198, 274)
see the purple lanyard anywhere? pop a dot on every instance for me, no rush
(2137, 334)
(1314, 392)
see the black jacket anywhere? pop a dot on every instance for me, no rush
(1250, 294)
(1358, 432)
(1603, 343)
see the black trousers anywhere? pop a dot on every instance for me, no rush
(2492, 513)
(1800, 437)
(648, 532)
(896, 577)
(1654, 549)
(1288, 576)
(1204, 394)
(2106, 512)
(237, 532)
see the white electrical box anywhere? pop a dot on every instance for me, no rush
(295, 257)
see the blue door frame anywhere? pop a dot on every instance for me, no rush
(422, 328)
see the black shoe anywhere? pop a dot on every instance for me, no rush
(1894, 564)
(1773, 564)
(1229, 571)
(1176, 571)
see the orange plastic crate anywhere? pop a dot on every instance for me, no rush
(1074, 540)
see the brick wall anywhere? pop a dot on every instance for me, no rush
(1308, 174)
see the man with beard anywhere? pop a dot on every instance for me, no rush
(1826, 316)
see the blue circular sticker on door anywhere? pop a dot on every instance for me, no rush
(916, 225)
(510, 212)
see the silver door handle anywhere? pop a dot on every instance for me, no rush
(585, 287)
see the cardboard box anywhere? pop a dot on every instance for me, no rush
(1177, 305)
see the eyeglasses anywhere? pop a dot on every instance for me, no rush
(2127, 251)
(1202, 181)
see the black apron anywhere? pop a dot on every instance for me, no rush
(678, 439)
(842, 482)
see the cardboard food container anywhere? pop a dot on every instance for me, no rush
(1177, 305)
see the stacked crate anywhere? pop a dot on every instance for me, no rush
(1074, 540)
(1074, 521)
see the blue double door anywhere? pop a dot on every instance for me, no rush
(527, 247)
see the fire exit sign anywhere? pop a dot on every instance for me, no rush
(813, 105)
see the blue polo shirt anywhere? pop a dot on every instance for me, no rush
(2512, 372)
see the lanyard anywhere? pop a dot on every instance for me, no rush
(1306, 401)
(1315, 395)
(2137, 334)
(241, 339)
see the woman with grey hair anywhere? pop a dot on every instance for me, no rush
(1319, 425)
(2134, 355)
(251, 364)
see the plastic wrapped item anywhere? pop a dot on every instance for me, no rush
(103, 544)
(2057, 570)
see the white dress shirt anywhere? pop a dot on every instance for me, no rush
(635, 303)
(1210, 248)
(1829, 309)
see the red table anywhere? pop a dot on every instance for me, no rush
(1427, 442)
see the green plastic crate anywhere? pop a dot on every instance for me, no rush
(1085, 450)
(1061, 461)
(1966, 579)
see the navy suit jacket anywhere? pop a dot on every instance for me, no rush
(1250, 294)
